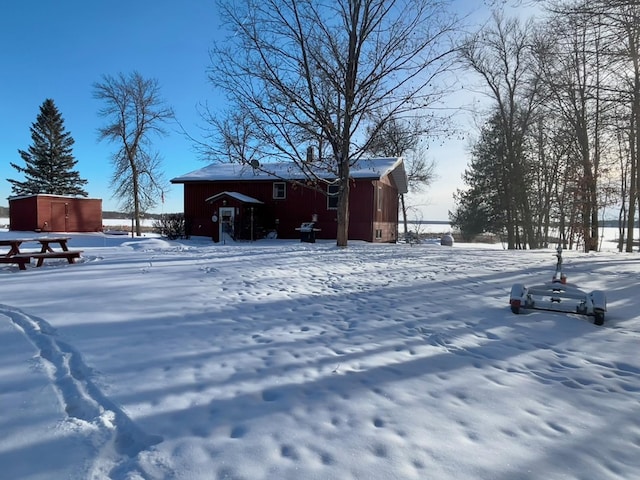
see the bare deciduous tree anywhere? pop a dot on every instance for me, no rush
(615, 25)
(574, 76)
(624, 21)
(303, 73)
(134, 111)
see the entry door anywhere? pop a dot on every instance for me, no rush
(58, 217)
(226, 216)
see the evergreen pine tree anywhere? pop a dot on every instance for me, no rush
(49, 160)
(480, 207)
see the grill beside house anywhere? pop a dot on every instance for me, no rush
(55, 213)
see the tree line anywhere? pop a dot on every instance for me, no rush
(560, 144)
(322, 85)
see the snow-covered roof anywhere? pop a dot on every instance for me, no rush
(238, 196)
(369, 168)
(78, 197)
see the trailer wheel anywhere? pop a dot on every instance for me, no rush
(599, 316)
(515, 299)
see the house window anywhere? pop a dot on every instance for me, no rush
(279, 190)
(379, 198)
(332, 197)
(378, 233)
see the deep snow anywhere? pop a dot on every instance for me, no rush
(152, 359)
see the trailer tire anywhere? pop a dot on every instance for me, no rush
(516, 297)
(598, 316)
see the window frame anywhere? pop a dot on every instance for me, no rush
(332, 197)
(279, 187)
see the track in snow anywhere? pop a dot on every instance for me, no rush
(117, 438)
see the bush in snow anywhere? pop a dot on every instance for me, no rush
(170, 225)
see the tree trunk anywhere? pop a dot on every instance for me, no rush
(136, 198)
(342, 234)
(342, 237)
(622, 231)
(635, 152)
(634, 138)
(404, 216)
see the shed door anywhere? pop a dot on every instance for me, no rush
(58, 217)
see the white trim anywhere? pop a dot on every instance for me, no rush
(284, 191)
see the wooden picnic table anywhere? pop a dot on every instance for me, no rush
(14, 255)
(47, 241)
(14, 243)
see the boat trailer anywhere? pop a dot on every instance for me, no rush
(559, 296)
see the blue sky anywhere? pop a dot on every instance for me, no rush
(60, 49)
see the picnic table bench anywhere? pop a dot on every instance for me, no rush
(21, 258)
(20, 261)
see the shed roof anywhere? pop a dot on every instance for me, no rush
(370, 168)
(51, 195)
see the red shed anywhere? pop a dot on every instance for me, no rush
(55, 213)
(249, 203)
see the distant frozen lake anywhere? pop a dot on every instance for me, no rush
(608, 234)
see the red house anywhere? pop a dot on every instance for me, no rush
(226, 200)
(55, 213)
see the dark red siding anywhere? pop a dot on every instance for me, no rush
(386, 207)
(23, 213)
(300, 205)
(53, 213)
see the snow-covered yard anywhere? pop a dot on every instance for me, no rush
(151, 359)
